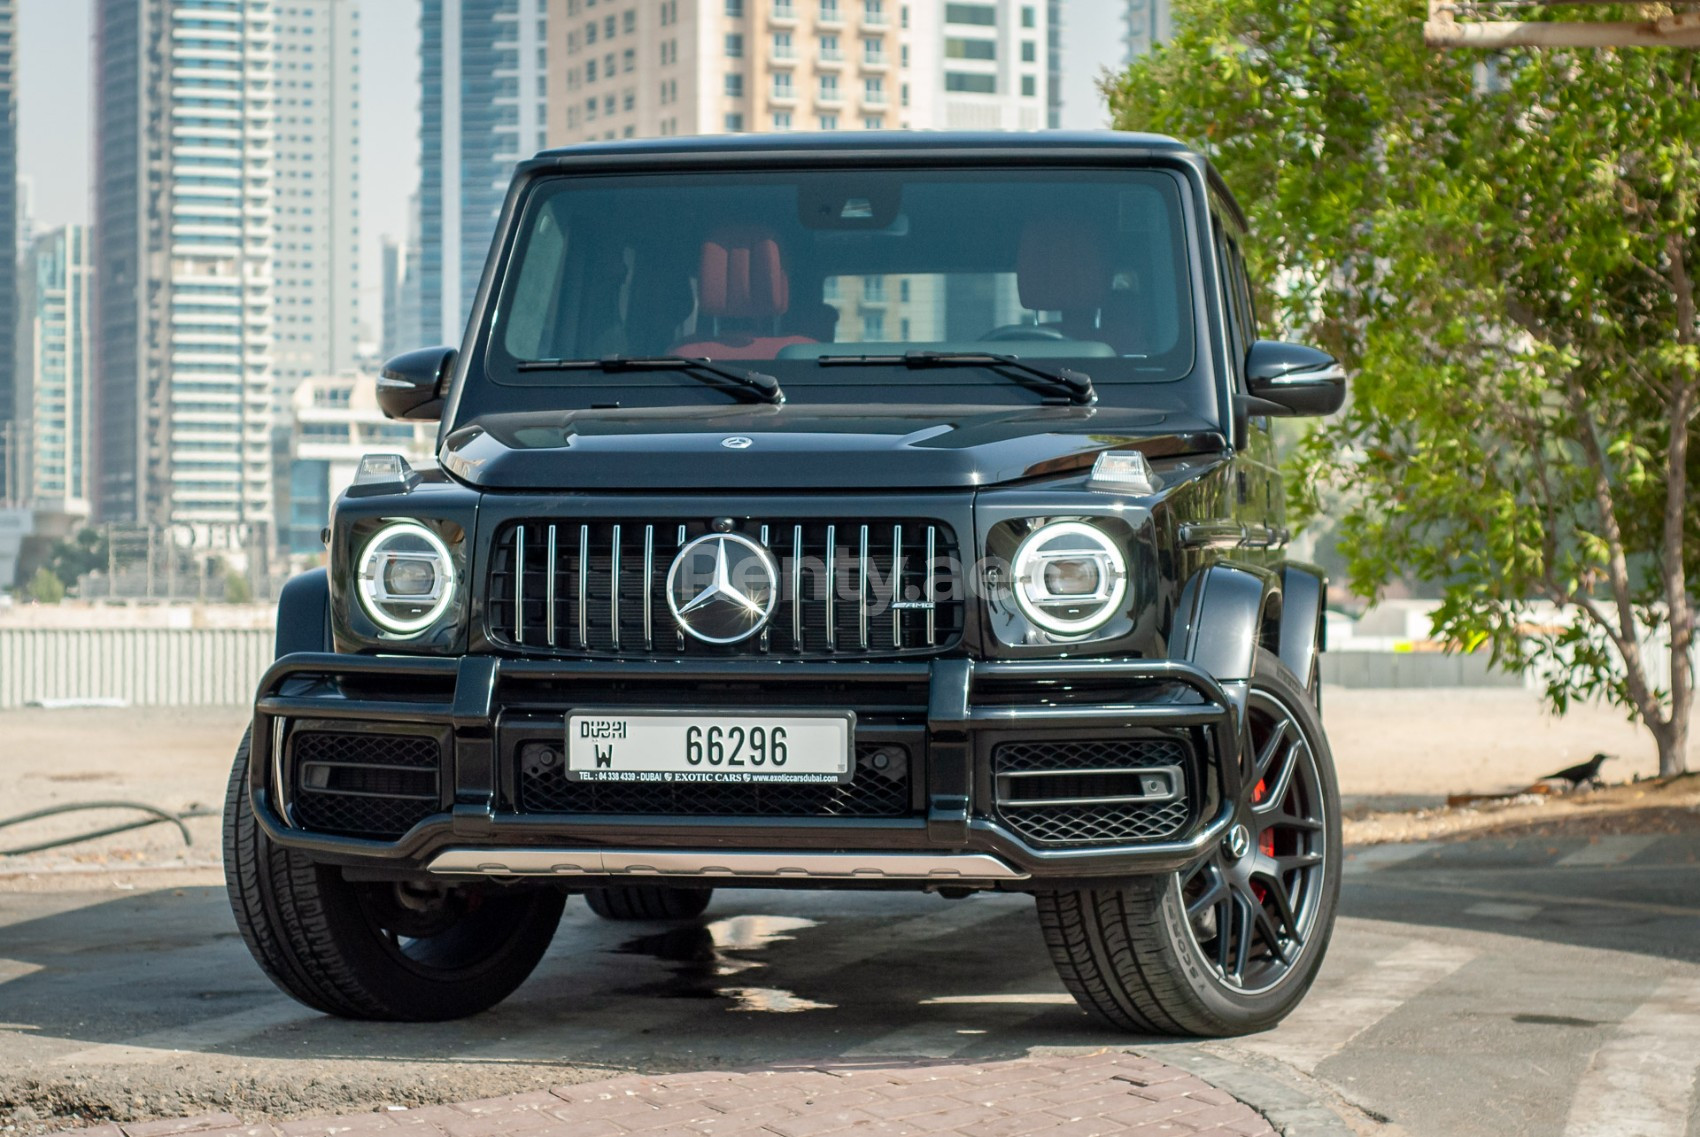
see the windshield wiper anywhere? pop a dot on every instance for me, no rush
(765, 387)
(1077, 385)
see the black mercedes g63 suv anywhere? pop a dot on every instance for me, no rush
(875, 511)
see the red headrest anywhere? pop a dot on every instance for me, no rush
(1060, 266)
(742, 276)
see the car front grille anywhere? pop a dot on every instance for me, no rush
(880, 788)
(364, 785)
(847, 588)
(1089, 793)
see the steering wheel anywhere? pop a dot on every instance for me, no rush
(1024, 332)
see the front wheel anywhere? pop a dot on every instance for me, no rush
(1230, 944)
(376, 950)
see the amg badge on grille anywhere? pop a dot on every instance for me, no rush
(722, 588)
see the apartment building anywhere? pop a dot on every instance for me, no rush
(983, 65)
(482, 105)
(184, 193)
(316, 239)
(55, 349)
(652, 68)
(1148, 24)
(334, 421)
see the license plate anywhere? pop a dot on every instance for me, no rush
(704, 747)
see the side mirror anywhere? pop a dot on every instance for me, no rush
(1297, 380)
(412, 385)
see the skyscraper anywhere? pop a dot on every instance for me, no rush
(1147, 26)
(316, 237)
(619, 69)
(9, 246)
(982, 65)
(482, 105)
(183, 260)
(54, 370)
(1054, 63)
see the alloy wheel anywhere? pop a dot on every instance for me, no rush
(1252, 902)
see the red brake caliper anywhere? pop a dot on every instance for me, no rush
(1265, 840)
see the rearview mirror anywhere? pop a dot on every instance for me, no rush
(1297, 380)
(412, 384)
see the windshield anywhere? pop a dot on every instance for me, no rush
(1084, 268)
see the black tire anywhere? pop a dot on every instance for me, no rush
(648, 902)
(376, 950)
(1136, 959)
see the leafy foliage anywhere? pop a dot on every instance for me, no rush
(1502, 249)
(77, 555)
(44, 587)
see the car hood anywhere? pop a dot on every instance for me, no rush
(805, 447)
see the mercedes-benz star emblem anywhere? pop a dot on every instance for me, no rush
(1239, 842)
(737, 442)
(722, 588)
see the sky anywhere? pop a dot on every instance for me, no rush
(55, 135)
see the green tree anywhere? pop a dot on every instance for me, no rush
(45, 588)
(1503, 249)
(83, 552)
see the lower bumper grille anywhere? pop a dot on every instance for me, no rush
(1112, 792)
(879, 789)
(364, 785)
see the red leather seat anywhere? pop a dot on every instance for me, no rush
(742, 291)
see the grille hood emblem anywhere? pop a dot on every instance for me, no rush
(722, 588)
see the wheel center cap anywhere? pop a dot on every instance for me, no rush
(1238, 842)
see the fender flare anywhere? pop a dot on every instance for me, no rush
(1226, 612)
(1304, 629)
(304, 614)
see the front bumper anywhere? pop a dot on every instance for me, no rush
(950, 712)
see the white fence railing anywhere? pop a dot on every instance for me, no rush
(141, 666)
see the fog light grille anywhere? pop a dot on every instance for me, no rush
(1111, 792)
(364, 785)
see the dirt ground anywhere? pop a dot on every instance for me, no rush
(1396, 752)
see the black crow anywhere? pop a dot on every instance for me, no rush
(1576, 775)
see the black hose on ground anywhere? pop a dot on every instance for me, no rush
(160, 817)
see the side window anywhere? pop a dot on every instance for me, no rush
(1232, 283)
(1245, 290)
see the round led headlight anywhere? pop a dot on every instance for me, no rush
(406, 578)
(1069, 577)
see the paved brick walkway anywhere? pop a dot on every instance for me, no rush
(1083, 1096)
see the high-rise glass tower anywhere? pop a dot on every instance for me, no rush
(184, 194)
(481, 110)
(54, 375)
(316, 229)
(9, 463)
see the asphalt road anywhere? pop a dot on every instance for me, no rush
(1548, 986)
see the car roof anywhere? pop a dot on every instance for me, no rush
(794, 146)
(896, 141)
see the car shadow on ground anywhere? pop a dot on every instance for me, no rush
(762, 977)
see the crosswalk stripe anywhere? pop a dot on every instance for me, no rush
(199, 1035)
(16, 969)
(1494, 910)
(1331, 1017)
(1008, 1007)
(1642, 1082)
(1378, 857)
(1608, 851)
